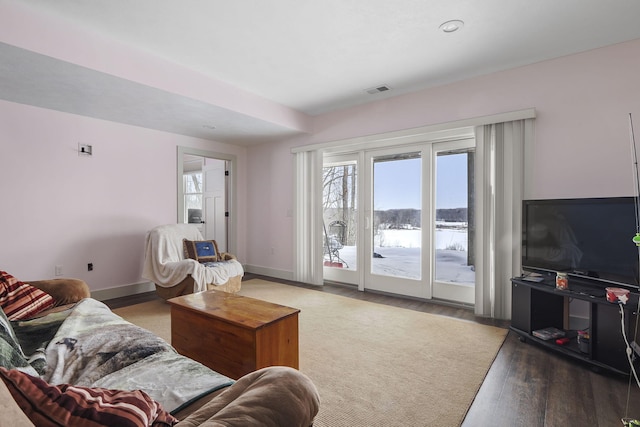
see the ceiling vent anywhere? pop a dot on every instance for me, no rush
(378, 89)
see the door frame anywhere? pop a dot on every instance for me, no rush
(230, 189)
(443, 290)
(354, 277)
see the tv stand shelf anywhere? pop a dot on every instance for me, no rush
(540, 305)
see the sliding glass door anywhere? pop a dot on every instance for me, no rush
(395, 235)
(400, 220)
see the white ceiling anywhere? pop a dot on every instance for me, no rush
(311, 56)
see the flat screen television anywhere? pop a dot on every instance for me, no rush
(590, 238)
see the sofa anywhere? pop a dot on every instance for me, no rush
(67, 360)
(180, 261)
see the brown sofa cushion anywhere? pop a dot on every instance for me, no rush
(66, 405)
(20, 300)
(64, 290)
(201, 250)
(270, 397)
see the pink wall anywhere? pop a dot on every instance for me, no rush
(582, 136)
(269, 216)
(64, 209)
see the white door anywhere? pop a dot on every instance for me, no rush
(219, 186)
(214, 202)
(397, 210)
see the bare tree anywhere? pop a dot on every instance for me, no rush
(339, 200)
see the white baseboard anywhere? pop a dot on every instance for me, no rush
(123, 291)
(271, 272)
(140, 288)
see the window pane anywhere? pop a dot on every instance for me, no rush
(193, 201)
(339, 216)
(397, 220)
(193, 183)
(453, 261)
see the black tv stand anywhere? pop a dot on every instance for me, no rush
(538, 305)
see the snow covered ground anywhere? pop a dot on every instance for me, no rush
(400, 251)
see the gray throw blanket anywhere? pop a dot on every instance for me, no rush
(94, 347)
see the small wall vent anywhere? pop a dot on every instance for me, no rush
(378, 89)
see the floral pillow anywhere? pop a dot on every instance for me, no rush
(49, 405)
(20, 300)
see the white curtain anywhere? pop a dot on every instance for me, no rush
(308, 217)
(499, 191)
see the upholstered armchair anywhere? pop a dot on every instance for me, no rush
(179, 261)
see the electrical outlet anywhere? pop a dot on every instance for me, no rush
(58, 270)
(90, 266)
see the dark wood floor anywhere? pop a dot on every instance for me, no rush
(526, 385)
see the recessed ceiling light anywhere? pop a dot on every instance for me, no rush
(451, 26)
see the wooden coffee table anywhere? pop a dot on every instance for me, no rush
(232, 334)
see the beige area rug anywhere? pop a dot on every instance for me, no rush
(374, 365)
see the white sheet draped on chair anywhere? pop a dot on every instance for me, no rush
(166, 266)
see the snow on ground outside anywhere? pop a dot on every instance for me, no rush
(401, 252)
